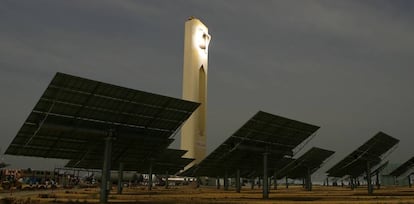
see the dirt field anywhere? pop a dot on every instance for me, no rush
(294, 194)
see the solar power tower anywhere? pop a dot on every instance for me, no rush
(305, 166)
(403, 169)
(195, 69)
(363, 159)
(260, 145)
(81, 119)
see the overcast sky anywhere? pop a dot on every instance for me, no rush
(346, 66)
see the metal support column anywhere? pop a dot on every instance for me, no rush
(198, 181)
(287, 183)
(120, 177)
(409, 180)
(226, 181)
(150, 176)
(259, 182)
(377, 180)
(265, 179)
(327, 181)
(304, 182)
(309, 180)
(275, 180)
(370, 189)
(252, 182)
(167, 175)
(357, 182)
(218, 182)
(351, 182)
(106, 169)
(238, 186)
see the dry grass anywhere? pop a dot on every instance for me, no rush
(294, 194)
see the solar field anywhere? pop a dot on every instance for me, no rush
(188, 194)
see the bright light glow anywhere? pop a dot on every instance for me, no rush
(202, 40)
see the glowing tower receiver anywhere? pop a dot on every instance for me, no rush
(193, 132)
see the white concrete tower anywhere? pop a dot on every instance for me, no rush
(193, 132)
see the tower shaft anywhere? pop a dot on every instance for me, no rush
(193, 132)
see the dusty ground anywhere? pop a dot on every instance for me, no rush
(294, 194)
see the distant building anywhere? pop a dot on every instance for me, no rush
(388, 180)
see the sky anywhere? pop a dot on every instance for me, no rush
(346, 66)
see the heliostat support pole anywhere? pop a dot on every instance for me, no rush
(351, 182)
(238, 186)
(370, 189)
(287, 183)
(167, 175)
(377, 180)
(106, 169)
(275, 180)
(304, 182)
(120, 177)
(150, 176)
(265, 180)
(309, 180)
(226, 181)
